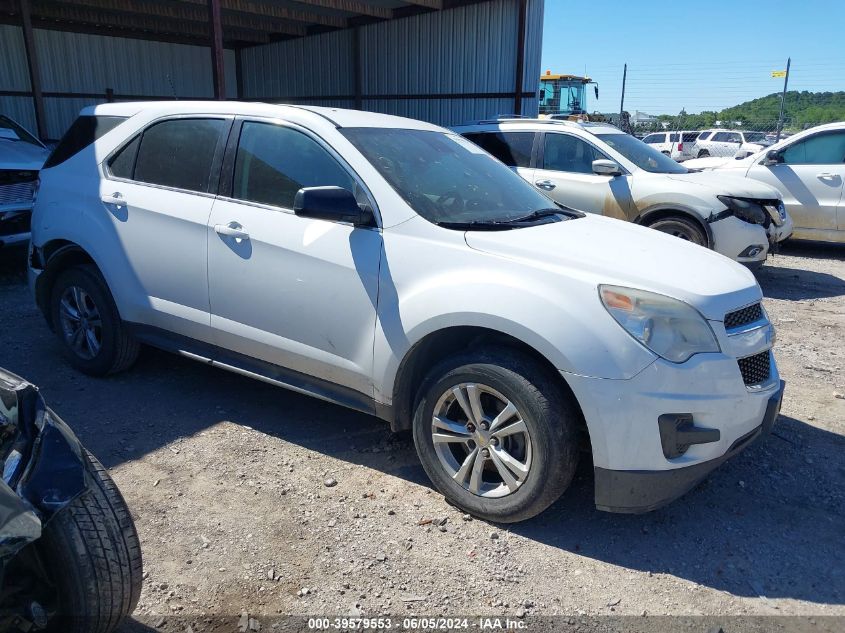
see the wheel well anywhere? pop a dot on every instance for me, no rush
(57, 256)
(661, 214)
(435, 347)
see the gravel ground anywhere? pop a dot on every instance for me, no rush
(227, 481)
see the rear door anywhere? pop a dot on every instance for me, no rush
(287, 291)
(565, 173)
(810, 178)
(158, 194)
(725, 143)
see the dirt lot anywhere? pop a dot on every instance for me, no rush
(225, 477)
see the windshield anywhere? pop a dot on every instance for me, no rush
(12, 131)
(446, 178)
(562, 96)
(754, 137)
(642, 155)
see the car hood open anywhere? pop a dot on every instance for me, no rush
(21, 155)
(602, 250)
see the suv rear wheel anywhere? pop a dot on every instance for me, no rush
(496, 434)
(703, 153)
(86, 320)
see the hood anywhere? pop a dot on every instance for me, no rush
(21, 155)
(718, 162)
(601, 250)
(728, 185)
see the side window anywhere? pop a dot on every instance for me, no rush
(704, 136)
(674, 137)
(735, 137)
(563, 152)
(84, 131)
(178, 153)
(654, 138)
(512, 148)
(274, 162)
(721, 137)
(821, 149)
(122, 164)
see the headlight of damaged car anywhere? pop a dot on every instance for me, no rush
(746, 210)
(668, 327)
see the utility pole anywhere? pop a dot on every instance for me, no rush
(622, 102)
(783, 99)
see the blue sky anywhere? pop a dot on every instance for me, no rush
(695, 55)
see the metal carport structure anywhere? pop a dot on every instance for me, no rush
(441, 60)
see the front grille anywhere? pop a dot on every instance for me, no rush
(18, 224)
(15, 176)
(743, 316)
(21, 192)
(755, 369)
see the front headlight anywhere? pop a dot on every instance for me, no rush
(747, 210)
(668, 327)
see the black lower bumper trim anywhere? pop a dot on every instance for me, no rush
(637, 491)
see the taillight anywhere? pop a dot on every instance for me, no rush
(681, 146)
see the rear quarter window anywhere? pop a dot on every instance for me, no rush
(703, 136)
(512, 148)
(84, 131)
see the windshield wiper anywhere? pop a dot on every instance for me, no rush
(476, 225)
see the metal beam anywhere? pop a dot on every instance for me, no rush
(257, 8)
(520, 56)
(192, 11)
(50, 10)
(429, 4)
(34, 69)
(218, 67)
(352, 6)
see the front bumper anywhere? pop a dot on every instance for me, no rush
(735, 238)
(636, 491)
(14, 226)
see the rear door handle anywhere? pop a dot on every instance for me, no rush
(548, 185)
(826, 175)
(115, 198)
(233, 229)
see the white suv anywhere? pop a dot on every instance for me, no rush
(598, 168)
(728, 142)
(393, 267)
(678, 146)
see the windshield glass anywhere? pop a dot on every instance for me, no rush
(754, 137)
(14, 132)
(446, 178)
(642, 155)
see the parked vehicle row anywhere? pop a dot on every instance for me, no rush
(678, 146)
(397, 268)
(719, 142)
(598, 168)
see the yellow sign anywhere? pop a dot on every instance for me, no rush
(778, 73)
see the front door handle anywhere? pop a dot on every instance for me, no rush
(826, 175)
(115, 198)
(548, 185)
(233, 229)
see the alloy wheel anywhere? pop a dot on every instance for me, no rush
(481, 440)
(81, 324)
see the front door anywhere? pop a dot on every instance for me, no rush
(565, 173)
(293, 292)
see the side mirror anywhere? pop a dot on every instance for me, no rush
(330, 203)
(773, 157)
(596, 88)
(605, 167)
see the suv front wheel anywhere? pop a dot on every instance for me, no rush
(496, 434)
(88, 325)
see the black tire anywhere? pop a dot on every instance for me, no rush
(703, 153)
(549, 413)
(92, 552)
(681, 227)
(118, 348)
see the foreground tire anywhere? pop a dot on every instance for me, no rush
(88, 325)
(682, 228)
(703, 154)
(92, 554)
(496, 434)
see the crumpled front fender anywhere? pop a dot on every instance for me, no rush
(42, 463)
